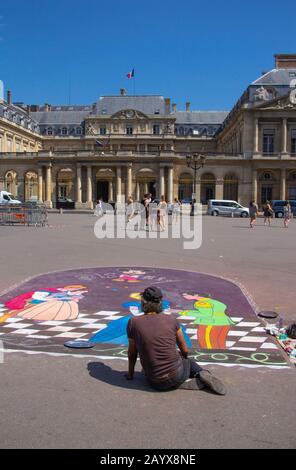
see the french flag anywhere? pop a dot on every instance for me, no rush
(131, 74)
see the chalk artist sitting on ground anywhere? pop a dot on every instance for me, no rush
(154, 336)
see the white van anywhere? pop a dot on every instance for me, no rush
(8, 198)
(226, 207)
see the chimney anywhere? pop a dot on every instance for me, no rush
(122, 91)
(167, 103)
(174, 107)
(8, 97)
(285, 61)
(47, 107)
(187, 105)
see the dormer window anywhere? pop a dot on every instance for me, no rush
(64, 131)
(49, 131)
(78, 130)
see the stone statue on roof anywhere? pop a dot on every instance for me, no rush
(170, 128)
(89, 129)
(261, 94)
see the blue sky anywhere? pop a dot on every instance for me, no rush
(203, 52)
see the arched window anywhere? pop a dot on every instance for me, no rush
(267, 176)
(208, 187)
(10, 182)
(31, 186)
(185, 186)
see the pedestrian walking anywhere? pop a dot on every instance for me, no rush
(98, 212)
(268, 213)
(176, 210)
(287, 214)
(146, 202)
(130, 208)
(162, 208)
(253, 212)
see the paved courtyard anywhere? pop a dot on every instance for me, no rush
(78, 401)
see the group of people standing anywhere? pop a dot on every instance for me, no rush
(156, 212)
(268, 213)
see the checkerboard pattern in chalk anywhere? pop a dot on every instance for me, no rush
(245, 335)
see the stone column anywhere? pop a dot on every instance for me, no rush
(128, 181)
(145, 186)
(161, 182)
(118, 184)
(254, 186)
(48, 186)
(283, 184)
(40, 184)
(284, 135)
(170, 185)
(89, 195)
(78, 186)
(110, 191)
(137, 191)
(219, 188)
(256, 136)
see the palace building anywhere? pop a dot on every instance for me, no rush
(130, 145)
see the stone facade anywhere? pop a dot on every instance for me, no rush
(130, 145)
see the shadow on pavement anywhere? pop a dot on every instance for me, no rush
(99, 371)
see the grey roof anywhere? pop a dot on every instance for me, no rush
(59, 117)
(200, 117)
(147, 104)
(276, 77)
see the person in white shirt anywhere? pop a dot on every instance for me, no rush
(176, 211)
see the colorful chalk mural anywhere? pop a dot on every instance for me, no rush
(95, 304)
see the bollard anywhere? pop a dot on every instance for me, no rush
(61, 210)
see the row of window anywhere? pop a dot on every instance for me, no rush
(204, 130)
(269, 141)
(64, 131)
(103, 131)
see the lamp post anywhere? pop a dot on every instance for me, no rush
(195, 162)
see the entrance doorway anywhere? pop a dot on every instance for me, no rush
(102, 190)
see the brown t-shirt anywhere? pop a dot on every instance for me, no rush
(155, 337)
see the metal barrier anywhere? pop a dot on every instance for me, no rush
(23, 214)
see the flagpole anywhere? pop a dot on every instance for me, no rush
(134, 83)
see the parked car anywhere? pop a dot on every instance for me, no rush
(226, 207)
(186, 201)
(278, 207)
(8, 198)
(65, 203)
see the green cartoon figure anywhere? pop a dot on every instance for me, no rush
(213, 322)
